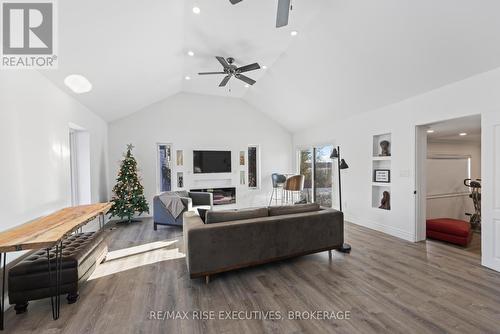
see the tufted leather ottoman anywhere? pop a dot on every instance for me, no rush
(28, 280)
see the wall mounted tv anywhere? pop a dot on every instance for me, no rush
(211, 162)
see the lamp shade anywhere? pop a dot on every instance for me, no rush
(343, 164)
(335, 154)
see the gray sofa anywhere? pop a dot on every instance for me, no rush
(241, 238)
(191, 200)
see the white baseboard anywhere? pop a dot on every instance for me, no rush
(393, 231)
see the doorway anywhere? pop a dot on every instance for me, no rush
(79, 148)
(448, 178)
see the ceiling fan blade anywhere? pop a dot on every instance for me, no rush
(225, 80)
(234, 2)
(205, 73)
(245, 79)
(223, 62)
(246, 68)
(283, 13)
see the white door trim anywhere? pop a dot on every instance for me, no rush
(490, 192)
(420, 182)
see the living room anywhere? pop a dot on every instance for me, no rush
(251, 166)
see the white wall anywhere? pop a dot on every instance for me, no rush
(35, 119)
(192, 121)
(459, 148)
(454, 207)
(476, 95)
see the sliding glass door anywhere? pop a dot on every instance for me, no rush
(306, 169)
(323, 175)
(316, 166)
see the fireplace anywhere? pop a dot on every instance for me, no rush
(222, 196)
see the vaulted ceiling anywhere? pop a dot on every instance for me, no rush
(349, 56)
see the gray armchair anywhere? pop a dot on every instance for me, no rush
(193, 201)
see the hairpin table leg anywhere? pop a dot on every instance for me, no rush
(101, 221)
(55, 297)
(58, 279)
(50, 281)
(2, 302)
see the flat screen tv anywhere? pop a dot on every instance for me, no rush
(211, 162)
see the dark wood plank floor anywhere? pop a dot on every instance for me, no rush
(388, 285)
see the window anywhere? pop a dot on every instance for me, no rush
(253, 166)
(164, 167)
(316, 166)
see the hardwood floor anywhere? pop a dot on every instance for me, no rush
(473, 247)
(387, 285)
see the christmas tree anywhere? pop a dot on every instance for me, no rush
(128, 193)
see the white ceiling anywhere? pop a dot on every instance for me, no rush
(245, 31)
(129, 50)
(449, 130)
(350, 55)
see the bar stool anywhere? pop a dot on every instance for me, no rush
(278, 182)
(293, 186)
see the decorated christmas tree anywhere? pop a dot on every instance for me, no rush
(128, 193)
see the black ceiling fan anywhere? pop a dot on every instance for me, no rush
(284, 8)
(232, 70)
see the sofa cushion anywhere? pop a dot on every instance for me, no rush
(291, 209)
(231, 215)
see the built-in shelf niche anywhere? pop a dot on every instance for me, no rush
(377, 193)
(377, 150)
(380, 162)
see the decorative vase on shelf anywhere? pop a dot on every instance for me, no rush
(384, 145)
(385, 203)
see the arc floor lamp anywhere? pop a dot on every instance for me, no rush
(341, 164)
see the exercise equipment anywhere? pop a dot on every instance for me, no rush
(475, 195)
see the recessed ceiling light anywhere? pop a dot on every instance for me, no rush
(196, 10)
(430, 131)
(264, 67)
(247, 85)
(78, 83)
(294, 33)
(190, 53)
(187, 77)
(463, 134)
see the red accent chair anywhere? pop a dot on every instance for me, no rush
(450, 230)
